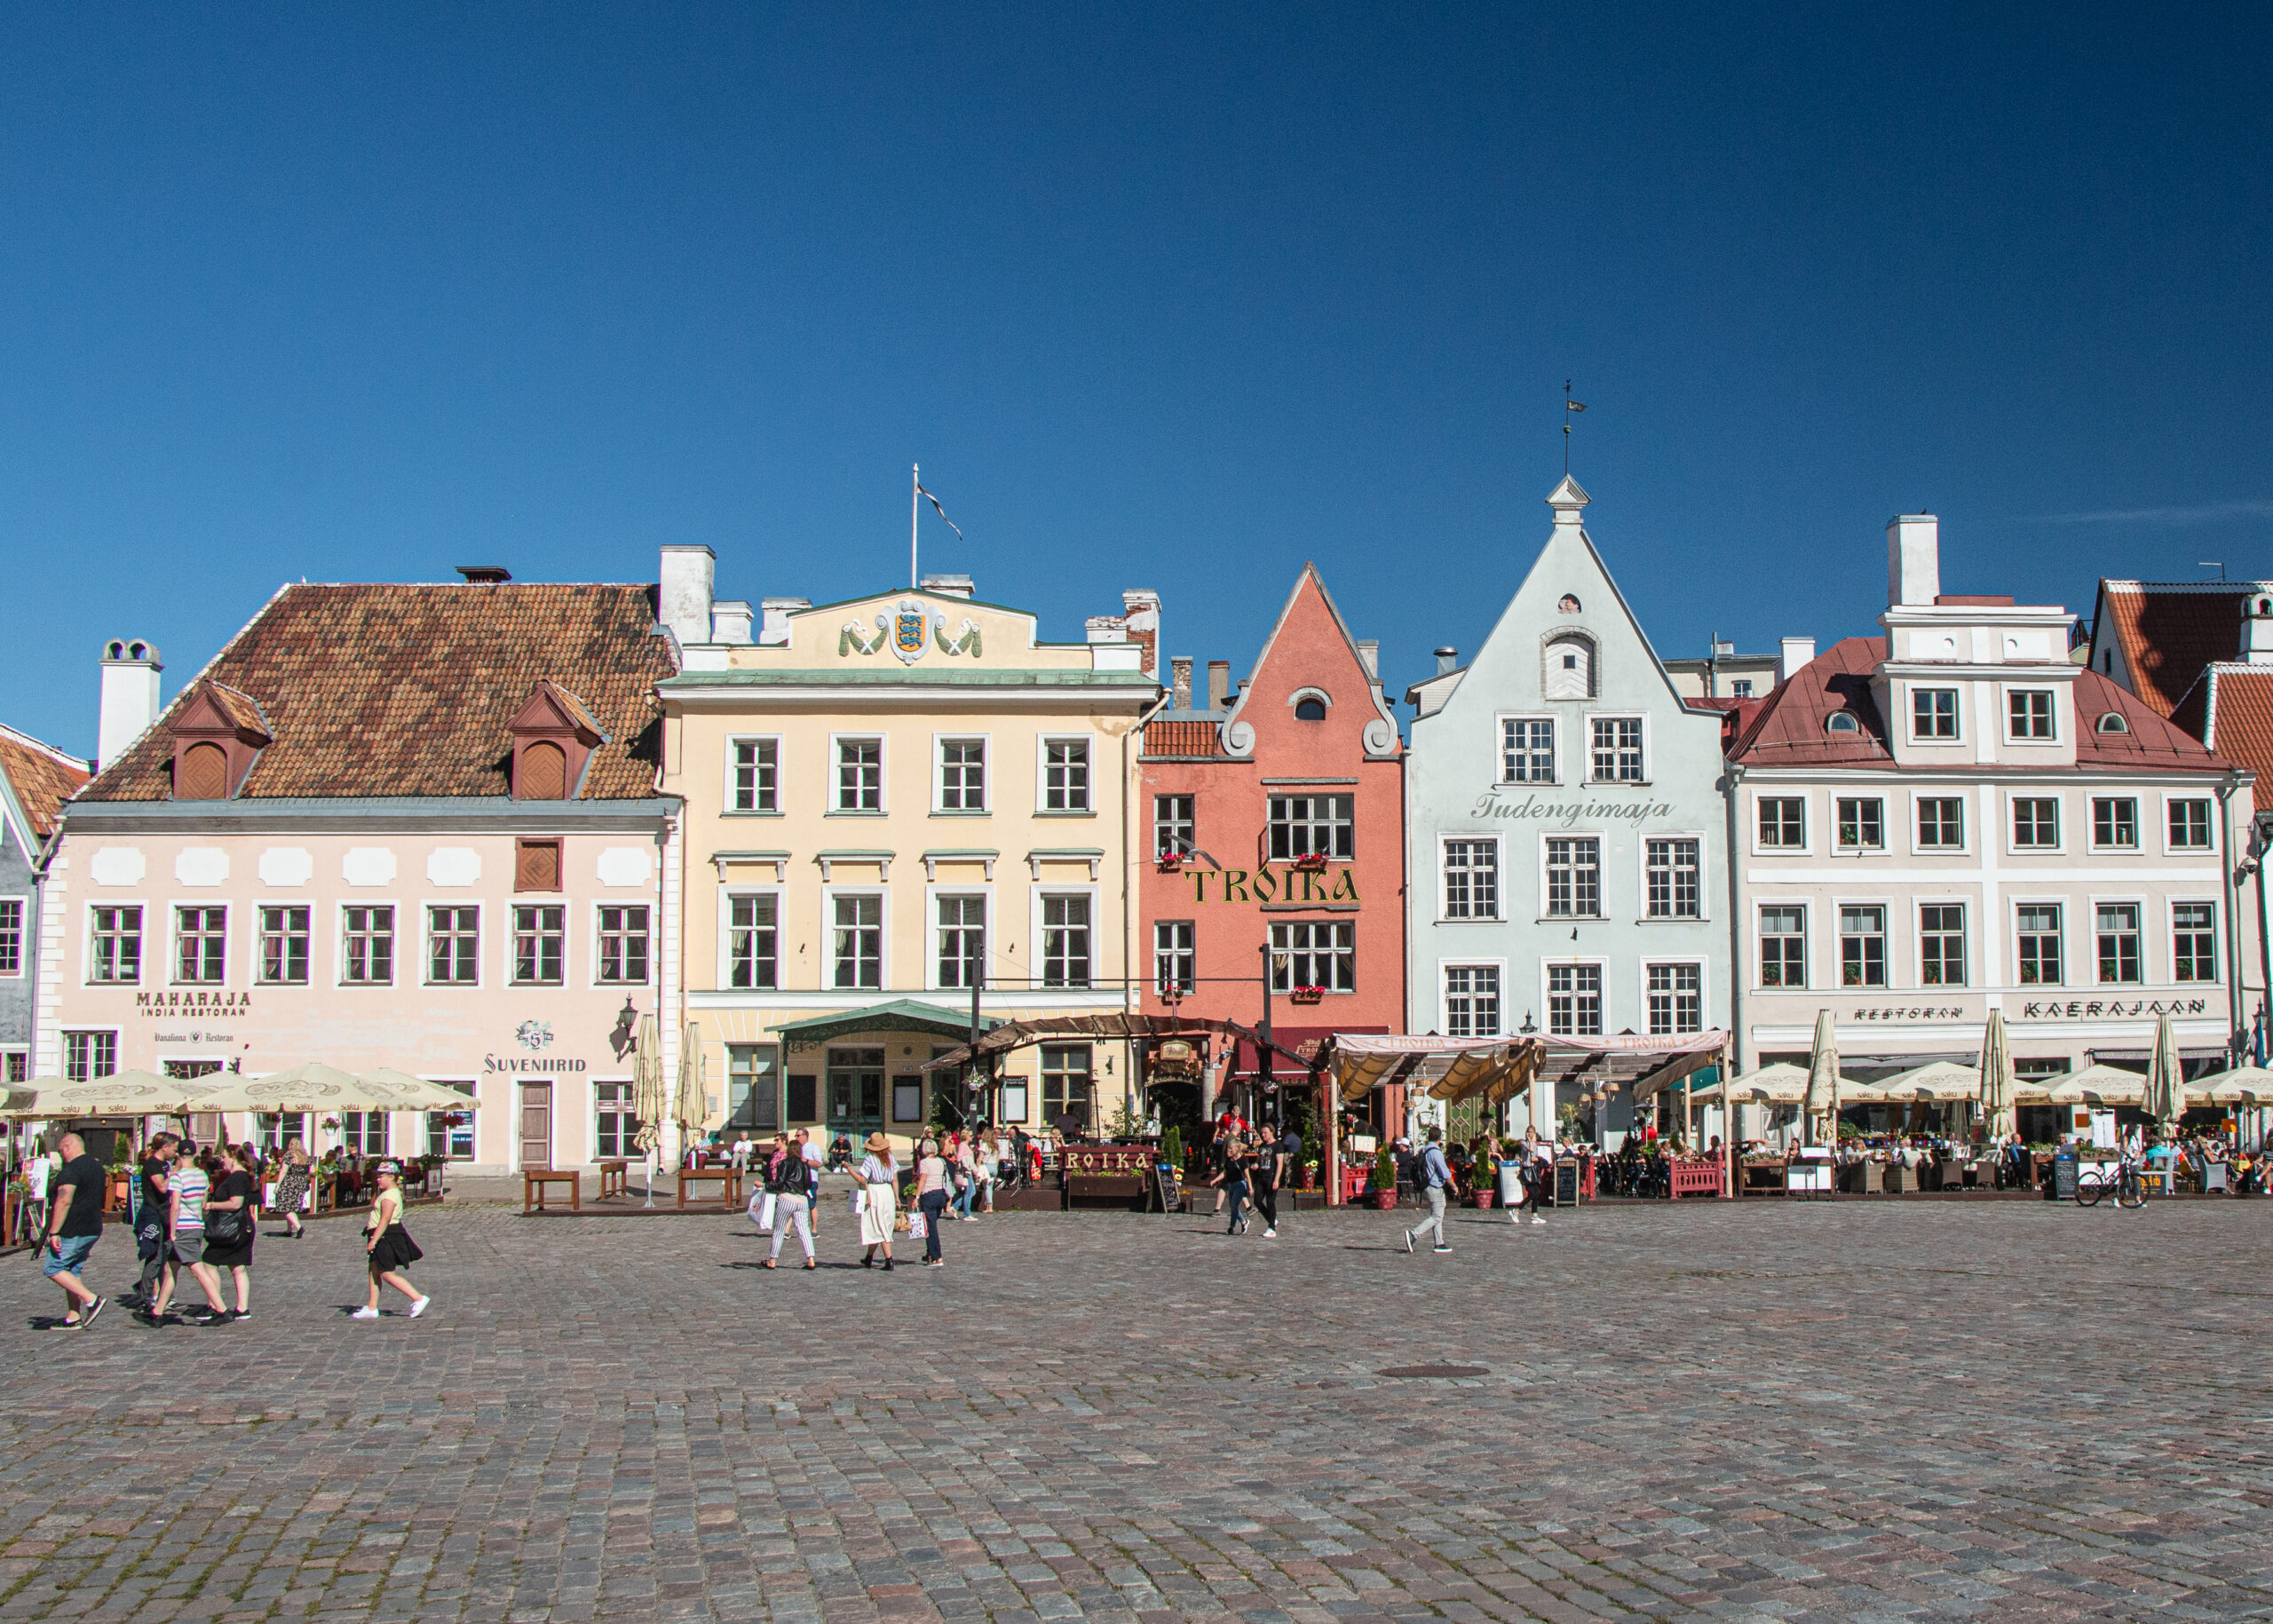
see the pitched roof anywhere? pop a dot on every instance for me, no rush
(393, 690)
(42, 778)
(2237, 705)
(1792, 728)
(2169, 630)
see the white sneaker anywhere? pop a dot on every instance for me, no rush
(365, 1313)
(1538, 1220)
(1270, 1234)
(419, 1307)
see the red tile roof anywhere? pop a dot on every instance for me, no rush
(1792, 728)
(2169, 632)
(1182, 738)
(387, 690)
(42, 779)
(2240, 714)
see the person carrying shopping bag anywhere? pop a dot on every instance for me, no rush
(879, 1200)
(789, 1182)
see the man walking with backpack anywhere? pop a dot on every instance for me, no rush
(1431, 1177)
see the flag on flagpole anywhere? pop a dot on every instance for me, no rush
(935, 508)
(1568, 406)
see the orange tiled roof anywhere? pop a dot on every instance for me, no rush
(2237, 702)
(42, 779)
(2169, 632)
(386, 690)
(1182, 738)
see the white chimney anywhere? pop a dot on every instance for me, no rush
(1797, 653)
(1369, 656)
(2256, 628)
(773, 631)
(130, 704)
(951, 586)
(1913, 560)
(730, 621)
(682, 599)
(1180, 688)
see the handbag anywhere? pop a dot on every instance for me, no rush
(226, 1227)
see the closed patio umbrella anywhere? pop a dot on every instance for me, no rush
(1823, 1080)
(649, 1098)
(1998, 1119)
(688, 1107)
(2164, 1098)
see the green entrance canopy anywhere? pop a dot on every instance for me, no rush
(900, 1015)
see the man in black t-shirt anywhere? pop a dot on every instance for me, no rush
(1263, 1189)
(73, 1228)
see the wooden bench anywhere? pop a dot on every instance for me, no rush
(615, 1178)
(534, 1179)
(728, 1180)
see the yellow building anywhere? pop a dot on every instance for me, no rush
(888, 799)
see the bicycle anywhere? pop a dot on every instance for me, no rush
(2129, 1189)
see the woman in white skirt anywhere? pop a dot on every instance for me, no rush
(879, 1176)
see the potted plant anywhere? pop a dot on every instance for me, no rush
(1308, 994)
(1171, 862)
(1311, 862)
(1383, 1188)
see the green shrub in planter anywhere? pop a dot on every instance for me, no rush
(1172, 1148)
(1384, 1169)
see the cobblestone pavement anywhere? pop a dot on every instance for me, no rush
(1851, 1410)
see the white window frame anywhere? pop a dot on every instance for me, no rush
(1642, 880)
(2013, 798)
(1642, 716)
(1970, 908)
(1683, 961)
(27, 934)
(2171, 905)
(1500, 748)
(1099, 937)
(2201, 853)
(2138, 842)
(87, 945)
(260, 933)
(538, 899)
(592, 1109)
(1191, 953)
(231, 938)
(483, 937)
(2059, 731)
(2066, 906)
(1042, 807)
(592, 941)
(939, 742)
(732, 767)
(1274, 921)
(882, 742)
(2147, 945)
(1966, 819)
(1910, 693)
(1191, 841)
(1889, 912)
(1444, 993)
(1837, 845)
(984, 891)
(1807, 823)
(725, 960)
(1492, 838)
(828, 896)
(1610, 1021)
(1601, 872)
(1809, 938)
(339, 945)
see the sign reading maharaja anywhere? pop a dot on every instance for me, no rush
(903, 629)
(207, 1006)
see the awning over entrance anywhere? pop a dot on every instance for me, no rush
(900, 1015)
(1008, 1035)
(1649, 1063)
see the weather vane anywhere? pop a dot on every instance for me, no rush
(1569, 407)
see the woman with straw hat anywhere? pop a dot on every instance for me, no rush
(879, 1200)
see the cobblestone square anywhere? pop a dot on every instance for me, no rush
(1851, 1410)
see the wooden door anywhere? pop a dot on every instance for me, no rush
(537, 1125)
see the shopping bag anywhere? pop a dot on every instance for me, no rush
(916, 1222)
(860, 1199)
(763, 1202)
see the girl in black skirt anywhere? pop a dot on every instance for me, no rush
(388, 1246)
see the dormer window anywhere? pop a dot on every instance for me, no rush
(2112, 722)
(1843, 722)
(217, 734)
(1568, 667)
(554, 736)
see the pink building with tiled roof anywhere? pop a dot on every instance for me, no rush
(1958, 816)
(408, 826)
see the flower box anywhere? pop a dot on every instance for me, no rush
(1171, 862)
(1311, 862)
(1308, 994)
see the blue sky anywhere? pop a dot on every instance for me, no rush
(1160, 298)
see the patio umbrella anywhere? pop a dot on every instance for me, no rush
(2164, 1100)
(649, 1100)
(1823, 1077)
(1936, 1081)
(412, 1093)
(312, 1086)
(689, 1108)
(2245, 1085)
(1781, 1084)
(1997, 1115)
(120, 1094)
(2095, 1085)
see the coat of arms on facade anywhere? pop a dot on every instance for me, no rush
(909, 624)
(905, 629)
(534, 1035)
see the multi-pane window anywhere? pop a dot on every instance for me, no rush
(1065, 1082)
(2029, 713)
(1862, 824)
(1472, 1001)
(2115, 821)
(540, 934)
(284, 945)
(1065, 941)
(2039, 943)
(1933, 713)
(368, 933)
(860, 945)
(1574, 1000)
(1862, 944)
(1676, 999)
(1526, 751)
(450, 1133)
(859, 775)
(1783, 946)
(963, 940)
(116, 945)
(753, 1087)
(18, 1065)
(1941, 823)
(1302, 825)
(623, 945)
(615, 1120)
(363, 1133)
(2036, 823)
(1672, 871)
(1065, 775)
(962, 775)
(753, 941)
(1471, 879)
(1782, 821)
(89, 1055)
(1941, 944)
(453, 945)
(757, 777)
(1173, 968)
(1321, 953)
(201, 946)
(1173, 827)
(1574, 878)
(12, 937)
(2194, 942)
(2118, 943)
(1617, 750)
(2190, 826)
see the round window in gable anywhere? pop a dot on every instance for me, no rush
(1568, 605)
(2113, 723)
(1844, 722)
(1312, 709)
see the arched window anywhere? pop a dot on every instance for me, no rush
(1310, 709)
(204, 773)
(1844, 722)
(1568, 605)
(544, 772)
(1569, 668)
(2113, 723)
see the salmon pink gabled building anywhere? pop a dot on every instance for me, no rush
(1277, 834)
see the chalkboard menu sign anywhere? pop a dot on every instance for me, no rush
(1567, 1184)
(1167, 1185)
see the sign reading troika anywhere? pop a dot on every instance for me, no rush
(1269, 885)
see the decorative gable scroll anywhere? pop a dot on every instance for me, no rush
(554, 736)
(217, 734)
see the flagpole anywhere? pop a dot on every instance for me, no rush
(914, 484)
